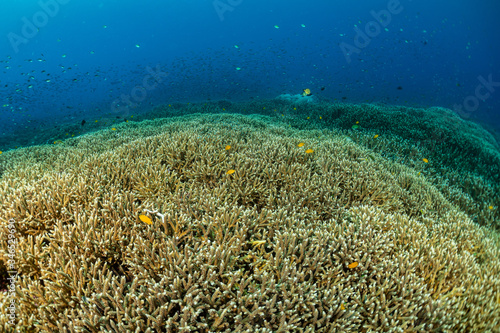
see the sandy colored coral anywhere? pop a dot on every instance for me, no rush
(265, 249)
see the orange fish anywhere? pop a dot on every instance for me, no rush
(353, 265)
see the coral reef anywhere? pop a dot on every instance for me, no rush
(357, 234)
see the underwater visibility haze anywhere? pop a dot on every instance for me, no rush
(249, 166)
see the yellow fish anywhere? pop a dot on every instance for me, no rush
(301, 144)
(230, 172)
(228, 147)
(309, 151)
(307, 92)
(425, 160)
(353, 265)
(376, 136)
(145, 219)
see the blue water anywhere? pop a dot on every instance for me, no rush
(73, 60)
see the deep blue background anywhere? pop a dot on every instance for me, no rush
(434, 51)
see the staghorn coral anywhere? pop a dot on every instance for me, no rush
(267, 248)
